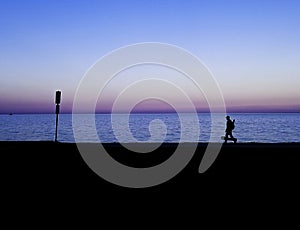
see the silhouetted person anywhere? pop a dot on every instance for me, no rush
(229, 127)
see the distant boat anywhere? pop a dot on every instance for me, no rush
(10, 114)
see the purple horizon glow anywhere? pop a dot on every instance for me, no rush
(33, 107)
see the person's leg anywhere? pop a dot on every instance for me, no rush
(233, 138)
(226, 137)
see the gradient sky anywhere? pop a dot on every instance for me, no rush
(251, 47)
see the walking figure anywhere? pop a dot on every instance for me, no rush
(230, 125)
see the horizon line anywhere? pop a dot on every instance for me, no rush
(154, 112)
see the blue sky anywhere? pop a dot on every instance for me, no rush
(251, 47)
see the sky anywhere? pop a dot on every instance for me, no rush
(252, 49)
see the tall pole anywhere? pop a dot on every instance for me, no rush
(57, 102)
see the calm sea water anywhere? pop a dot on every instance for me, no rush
(250, 127)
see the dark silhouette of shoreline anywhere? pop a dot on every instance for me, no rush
(51, 162)
(246, 178)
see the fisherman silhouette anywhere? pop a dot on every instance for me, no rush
(230, 125)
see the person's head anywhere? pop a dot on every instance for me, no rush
(227, 117)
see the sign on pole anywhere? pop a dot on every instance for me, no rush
(57, 102)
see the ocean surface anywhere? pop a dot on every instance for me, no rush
(250, 127)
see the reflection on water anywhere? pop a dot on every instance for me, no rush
(256, 127)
